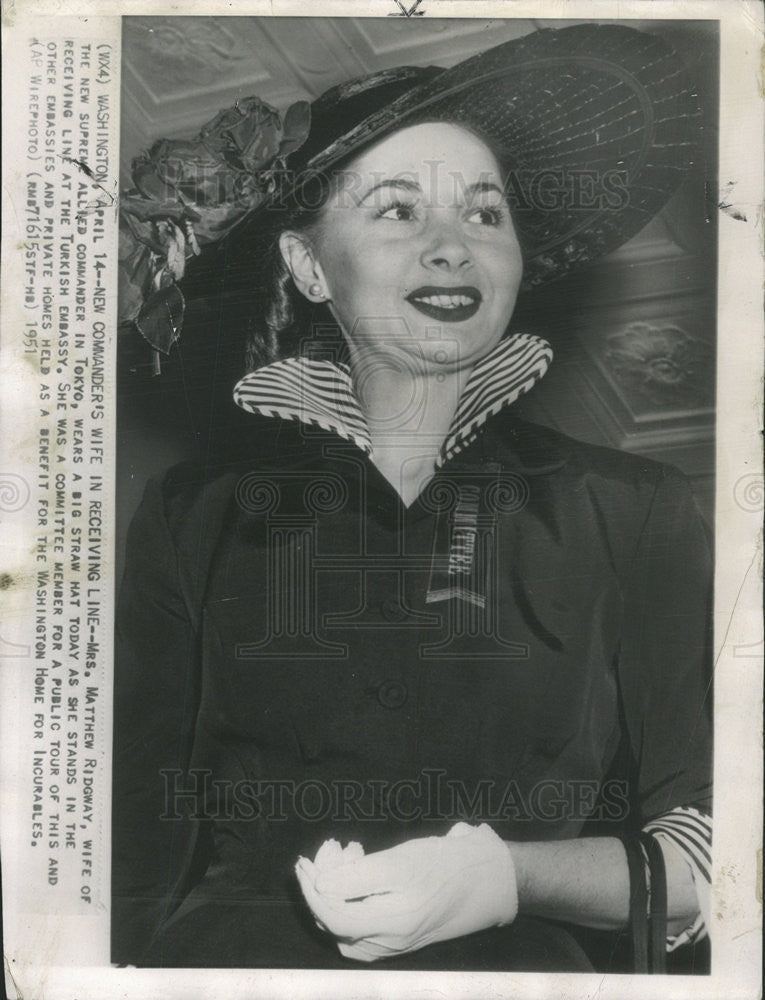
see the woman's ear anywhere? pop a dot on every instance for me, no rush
(299, 256)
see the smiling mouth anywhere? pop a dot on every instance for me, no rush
(448, 305)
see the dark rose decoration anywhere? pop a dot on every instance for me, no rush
(190, 193)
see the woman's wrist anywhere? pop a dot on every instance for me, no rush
(519, 857)
(580, 881)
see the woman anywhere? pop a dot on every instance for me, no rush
(396, 617)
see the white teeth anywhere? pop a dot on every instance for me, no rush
(446, 301)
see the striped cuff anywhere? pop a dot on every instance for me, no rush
(688, 832)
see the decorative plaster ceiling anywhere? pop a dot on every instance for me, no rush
(178, 72)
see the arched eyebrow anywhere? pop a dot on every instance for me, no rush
(481, 187)
(402, 184)
(398, 183)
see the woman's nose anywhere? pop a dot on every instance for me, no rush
(446, 248)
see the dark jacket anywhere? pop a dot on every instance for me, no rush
(286, 670)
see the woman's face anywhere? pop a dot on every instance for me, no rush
(417, 250)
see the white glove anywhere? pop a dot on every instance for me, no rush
(402, 899)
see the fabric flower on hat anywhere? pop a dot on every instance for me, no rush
(189, 193)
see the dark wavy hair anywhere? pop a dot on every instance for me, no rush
(282, 322)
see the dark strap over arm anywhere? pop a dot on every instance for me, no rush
(658, 903)
(638, 904)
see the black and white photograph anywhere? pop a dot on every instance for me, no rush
(413, 656)
(380, 601)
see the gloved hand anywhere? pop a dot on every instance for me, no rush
(424, 890)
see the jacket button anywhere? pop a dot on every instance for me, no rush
(391, 694)
(392, 611)
(552, 747)
(311, 749)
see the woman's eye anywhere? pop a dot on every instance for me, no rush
(399, 212)
(486, 216)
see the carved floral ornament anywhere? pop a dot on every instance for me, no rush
(662, 362)
(185, 50)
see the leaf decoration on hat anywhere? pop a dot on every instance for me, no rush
(188, 194)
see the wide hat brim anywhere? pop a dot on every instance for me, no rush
(600, 124)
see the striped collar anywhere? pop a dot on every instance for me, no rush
(321, 393)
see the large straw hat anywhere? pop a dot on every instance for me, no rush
(599, 123)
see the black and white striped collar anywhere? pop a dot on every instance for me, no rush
(321, 393)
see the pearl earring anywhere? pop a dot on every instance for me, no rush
(316, 290)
